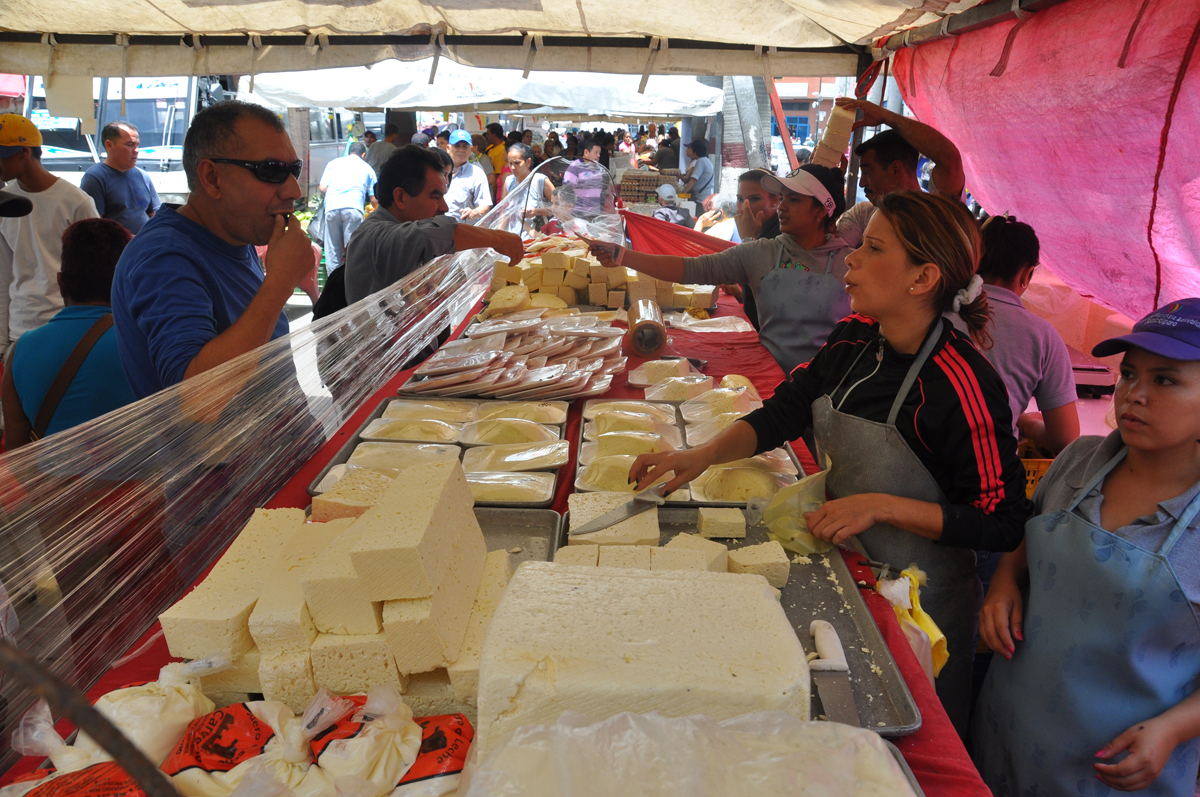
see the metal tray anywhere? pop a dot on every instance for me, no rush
(908, 773)
(535, 531)
(884, 703)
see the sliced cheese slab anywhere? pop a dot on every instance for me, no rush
(641, 529)
(716, 554)
(431, 693)
(355, 493)
(347, 664)
(288, 679)
(242, 679)
(213, 619)
(676, 642)
(724, 522)
(677, 559)
(464, 672)
(408, 539)
(281, 622)
(768, 560)
(336, 601)
(635, 556)
(583, 555)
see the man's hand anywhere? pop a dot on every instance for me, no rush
(873, 115)
(289, 253)
(1149, 745)
(506, 243)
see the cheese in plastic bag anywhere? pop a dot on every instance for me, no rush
(379, 743)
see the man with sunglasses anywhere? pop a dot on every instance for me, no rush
(189, 292)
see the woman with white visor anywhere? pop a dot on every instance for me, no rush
(796, 278)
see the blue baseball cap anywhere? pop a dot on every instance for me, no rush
(1170, 331)
(459, 135)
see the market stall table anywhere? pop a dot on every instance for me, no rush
(935, 753)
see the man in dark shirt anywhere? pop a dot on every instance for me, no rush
(122, 192)
(669, 210)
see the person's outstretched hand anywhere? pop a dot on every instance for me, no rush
(686, 465)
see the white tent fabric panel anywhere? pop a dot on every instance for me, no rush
(401, 85)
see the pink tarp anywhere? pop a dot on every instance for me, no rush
(12, 85)
(1070, 143)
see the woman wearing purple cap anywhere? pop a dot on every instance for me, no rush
(1096, 613)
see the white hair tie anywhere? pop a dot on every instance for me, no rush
(969, 293)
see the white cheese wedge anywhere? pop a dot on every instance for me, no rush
(335, 598)
(348, 664)
(600, 641)
(608, 474)
(716, 554)
(582, 555)
(725, 523)
(464, 672)
(634, 556)
(355, 493)
(408, 539)
(243, 678)
(427, 633)
(431, 693)
(677, 559)
(641, 529)
(288, 679)
(213, 619)
(768, 560)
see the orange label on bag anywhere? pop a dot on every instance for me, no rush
(445, 740)
(219, 741)
(345, 728)
(105, 779)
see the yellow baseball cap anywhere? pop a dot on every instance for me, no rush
(15, 132)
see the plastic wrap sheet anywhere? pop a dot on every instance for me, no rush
(522, 209)
(1116, 204)
(106, 524)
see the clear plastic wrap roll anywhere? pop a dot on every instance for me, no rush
(647, 333)
(105, 525)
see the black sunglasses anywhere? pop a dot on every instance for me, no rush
(269, 171)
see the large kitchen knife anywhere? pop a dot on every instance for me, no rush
(647, 499)
(831, 675)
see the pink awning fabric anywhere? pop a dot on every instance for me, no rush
(12, 85)
(1103, 161)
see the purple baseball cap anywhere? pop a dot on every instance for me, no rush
(1170, 331)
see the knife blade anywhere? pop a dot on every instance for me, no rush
(647, 499)
(831, 675)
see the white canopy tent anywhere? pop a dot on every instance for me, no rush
(405, 85)
(178, 37)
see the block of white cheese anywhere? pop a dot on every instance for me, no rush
(335, 598)
(723, 522)
(427, 633)
(348, 664)
(608, 474)
(715, 554)
(355, 493)
(281, 622)
(583, 555)
(213, 619)
(632, 443)
(464, 672)
(407, 541)
(768, 560)
(600, 641)
(431, 693)
(635, 556)
(288, 679)
(242, 678)
(641, 529)
(677, 559)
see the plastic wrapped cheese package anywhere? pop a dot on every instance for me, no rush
(611, 475)
(737, 380)
(776, 460)
(35, 736)
(755, 755)
(549, 412)
(617, 421)
(499, 431)
(716, 402)
(511, 488)
(628, 443)
(700, 433)
(411, 431)
(679, 388)
(652, 372)
(738, 485)
(378, 743)
(663, 412)
(395, 457)
(448, 410)
(155, 715)
(517, 457)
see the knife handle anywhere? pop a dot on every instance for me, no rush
(829, 648)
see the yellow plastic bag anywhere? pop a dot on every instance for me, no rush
(784, 516)
(925, 638)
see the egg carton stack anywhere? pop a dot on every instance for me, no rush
(525, 356)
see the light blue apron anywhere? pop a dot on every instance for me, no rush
(798, 308)
(1110, 640)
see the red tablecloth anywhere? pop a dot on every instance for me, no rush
(935, 754)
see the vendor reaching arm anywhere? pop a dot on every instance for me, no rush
(913, 417)
(888, 162)
(411, 228)
(1098, 682)
(796, 278)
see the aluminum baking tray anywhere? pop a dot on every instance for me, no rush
(884, 702)
(905, 768)
(535, 532)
